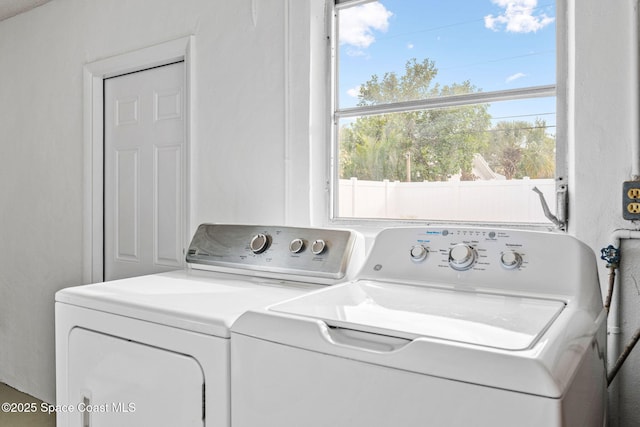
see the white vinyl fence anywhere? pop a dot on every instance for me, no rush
(491, 201)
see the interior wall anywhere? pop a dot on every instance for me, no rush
(604, 104)
(256, 142)
(240, 150)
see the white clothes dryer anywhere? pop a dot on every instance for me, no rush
(154, 350)
(443, 327)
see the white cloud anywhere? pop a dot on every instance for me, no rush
(410, 46)
(358, 23)
(354, 91)
(515, 76)
(357, 52)
(518, 17)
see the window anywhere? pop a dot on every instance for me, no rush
(444, 110)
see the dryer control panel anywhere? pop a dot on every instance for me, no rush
(503, 259)
(296, 253)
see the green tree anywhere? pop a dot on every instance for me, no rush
(420, 145)
(518, 149)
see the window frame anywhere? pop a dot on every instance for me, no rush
(559, 90)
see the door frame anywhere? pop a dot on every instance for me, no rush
(94, 74)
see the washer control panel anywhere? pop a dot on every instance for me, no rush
(480, 258)
(312, 252)
(467, 249)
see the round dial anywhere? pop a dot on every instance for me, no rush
(462, 257)
(259, 243)
(418, 253)
(296, 246)
(318, 247)
(511, 260)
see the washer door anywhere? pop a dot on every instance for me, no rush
(489, 320)
(116, 382)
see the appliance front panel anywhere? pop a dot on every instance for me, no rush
(117, 382)
(281, 386)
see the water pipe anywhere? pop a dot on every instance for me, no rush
(613, 320)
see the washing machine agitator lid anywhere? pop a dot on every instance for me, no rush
(499, 321)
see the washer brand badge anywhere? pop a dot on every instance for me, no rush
(432, 232)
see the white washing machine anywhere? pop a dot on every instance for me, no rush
(443, 327)
(154, 350)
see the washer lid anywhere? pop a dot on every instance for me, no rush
(499, 321)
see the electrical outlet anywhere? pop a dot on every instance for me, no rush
(631, 200)
(633, 208)
(633, 193)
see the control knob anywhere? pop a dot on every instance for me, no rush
(418, 253)
(511, 260)
(259, 243)
(296, 246)
(462, 257)
(318, 247)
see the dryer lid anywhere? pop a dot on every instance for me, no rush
(499, 321)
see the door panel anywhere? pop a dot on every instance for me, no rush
(144, 172)
(167, 204)
(117, 382)
(126, 205)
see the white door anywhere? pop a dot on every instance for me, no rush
(144, 152)
(117, 382)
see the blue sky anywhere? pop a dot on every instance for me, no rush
(495, 44)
